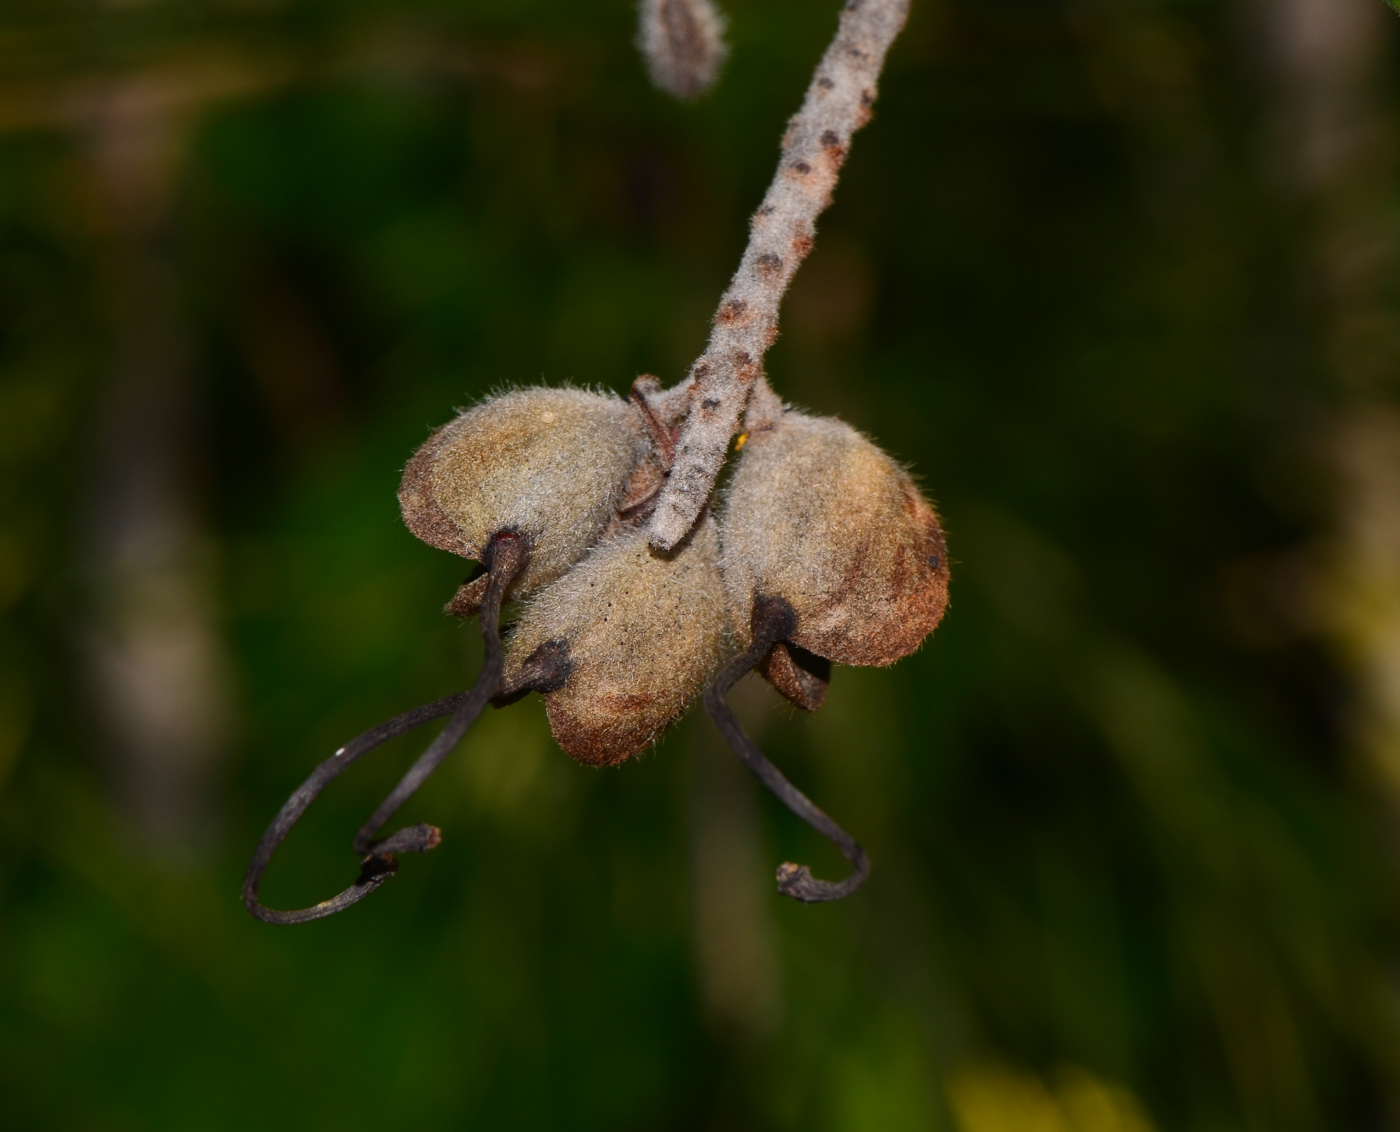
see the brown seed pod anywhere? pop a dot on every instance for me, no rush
(549, 464)
(821, 518)
(622, 643)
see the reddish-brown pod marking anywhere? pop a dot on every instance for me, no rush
(623, 643)
(821, 518)
(547, 464)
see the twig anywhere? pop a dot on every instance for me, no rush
(505, 559)
(773, 620)
(682, 42)
(814, 146)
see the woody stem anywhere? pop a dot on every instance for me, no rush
(814, 146)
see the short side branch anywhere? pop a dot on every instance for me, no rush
(816, 142)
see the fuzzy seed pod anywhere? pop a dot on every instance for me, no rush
(820, 517)
(682, 42)
(549, 464)
(622, 643)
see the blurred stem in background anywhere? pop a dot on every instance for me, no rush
(150, 635)
(148, 626)
(1339, 148)
(152, 644)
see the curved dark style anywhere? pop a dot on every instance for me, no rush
(504, 558)
(774, 620)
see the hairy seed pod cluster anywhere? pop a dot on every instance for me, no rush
(600, 508)
(820, 517)
(623, 643)
(620, 638)
(826, 552)
(547, 464)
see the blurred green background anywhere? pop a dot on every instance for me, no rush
(1117, 277)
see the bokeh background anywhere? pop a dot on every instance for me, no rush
(1118, 278)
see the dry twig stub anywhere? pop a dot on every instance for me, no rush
(682, 42)
(814, 147)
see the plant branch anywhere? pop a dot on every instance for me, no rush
(781, 232)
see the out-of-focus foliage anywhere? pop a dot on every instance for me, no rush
(1127, 873)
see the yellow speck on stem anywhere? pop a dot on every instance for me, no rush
(741, 441)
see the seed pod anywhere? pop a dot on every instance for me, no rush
(622, 643)
(549, 464)
(820, 517)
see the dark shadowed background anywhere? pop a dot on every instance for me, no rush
(1117, 277)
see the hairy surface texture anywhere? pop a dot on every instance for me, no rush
(639, 634)
(682, 42)
(819, 516)
(814, 147)
(550, 464)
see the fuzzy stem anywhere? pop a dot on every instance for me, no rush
(814, 146)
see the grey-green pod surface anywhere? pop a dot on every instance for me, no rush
(819, 516)
(549, 464)
(622, 643)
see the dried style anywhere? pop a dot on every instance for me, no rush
(597, 513)
(503, 557)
